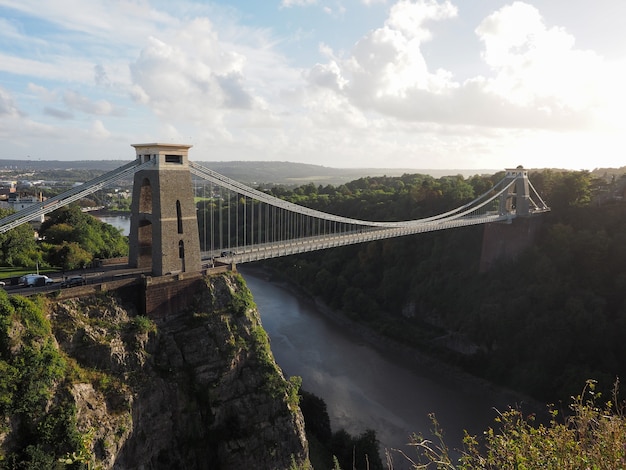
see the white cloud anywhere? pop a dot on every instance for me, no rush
(410, 17)
(388, 64)
(58, 113)
(194, 76)
(42, 93)
(327, 76)
(538, 80)
(180, 84)
(7, 105)
(99, 131)
(76, 101)
(53, 68)
(297, 3)
(537, 65)
(99, 20)
(194, 73)
(387, 67)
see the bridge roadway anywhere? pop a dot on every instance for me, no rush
(261, 251)
(97, 275)
(249, 253)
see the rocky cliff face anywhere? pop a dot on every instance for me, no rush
(197, 390)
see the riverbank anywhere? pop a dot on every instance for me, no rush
(407, 356)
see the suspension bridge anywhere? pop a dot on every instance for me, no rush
(235, 223)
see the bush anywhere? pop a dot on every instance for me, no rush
(590, 437)
(142, 325)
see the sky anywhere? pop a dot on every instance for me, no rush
(416, 84)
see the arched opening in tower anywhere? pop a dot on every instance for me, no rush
(181, 254)
(144, 226)
(145, 244)
(145, 197)
(179, 217)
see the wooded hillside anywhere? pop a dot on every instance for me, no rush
(543, 323)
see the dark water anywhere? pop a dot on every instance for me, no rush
(363, 387)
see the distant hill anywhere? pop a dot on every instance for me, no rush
(302, 173)
(254, 173)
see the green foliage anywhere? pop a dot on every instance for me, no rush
(142, 324)
(293, 391)
(589, 437)
(540, 324)
(33, 374)
(18, 246)
(241, 300)
(120, 204)
(74, 238)
(273, 382)
(340, 449)
(315, 417)
(68, 256)
(358, 453)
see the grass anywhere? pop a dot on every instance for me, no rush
(9, 272)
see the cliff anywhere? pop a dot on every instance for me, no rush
(198, 389)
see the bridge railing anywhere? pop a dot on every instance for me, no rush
(256, 252)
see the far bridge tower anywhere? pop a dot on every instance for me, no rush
(517, 197)
(503, 241)
(163, 226)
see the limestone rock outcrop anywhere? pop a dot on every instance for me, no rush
(197, 389)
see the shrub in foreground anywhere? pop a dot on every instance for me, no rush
(591, 436)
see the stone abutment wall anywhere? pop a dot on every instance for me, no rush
(503, 241)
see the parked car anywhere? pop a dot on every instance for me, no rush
(73, 281)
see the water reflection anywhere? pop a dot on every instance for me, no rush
(118, 221)
(365, 388)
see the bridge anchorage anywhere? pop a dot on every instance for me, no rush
(241, 224)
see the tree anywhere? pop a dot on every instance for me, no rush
(542, 322)
(571, 189)
(360, 453)
(69, 225)
(18, 246)
(316, 416)
(59, 233)
(68, 256)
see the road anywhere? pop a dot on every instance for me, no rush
(91, 275)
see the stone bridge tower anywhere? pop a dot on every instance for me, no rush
(517, 197)
(503, 241)
(163, 226)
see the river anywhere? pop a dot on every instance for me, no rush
(363, 386)
(121, 222)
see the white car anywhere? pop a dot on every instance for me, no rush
(30, 280)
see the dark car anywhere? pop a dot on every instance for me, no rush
(73, 281)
